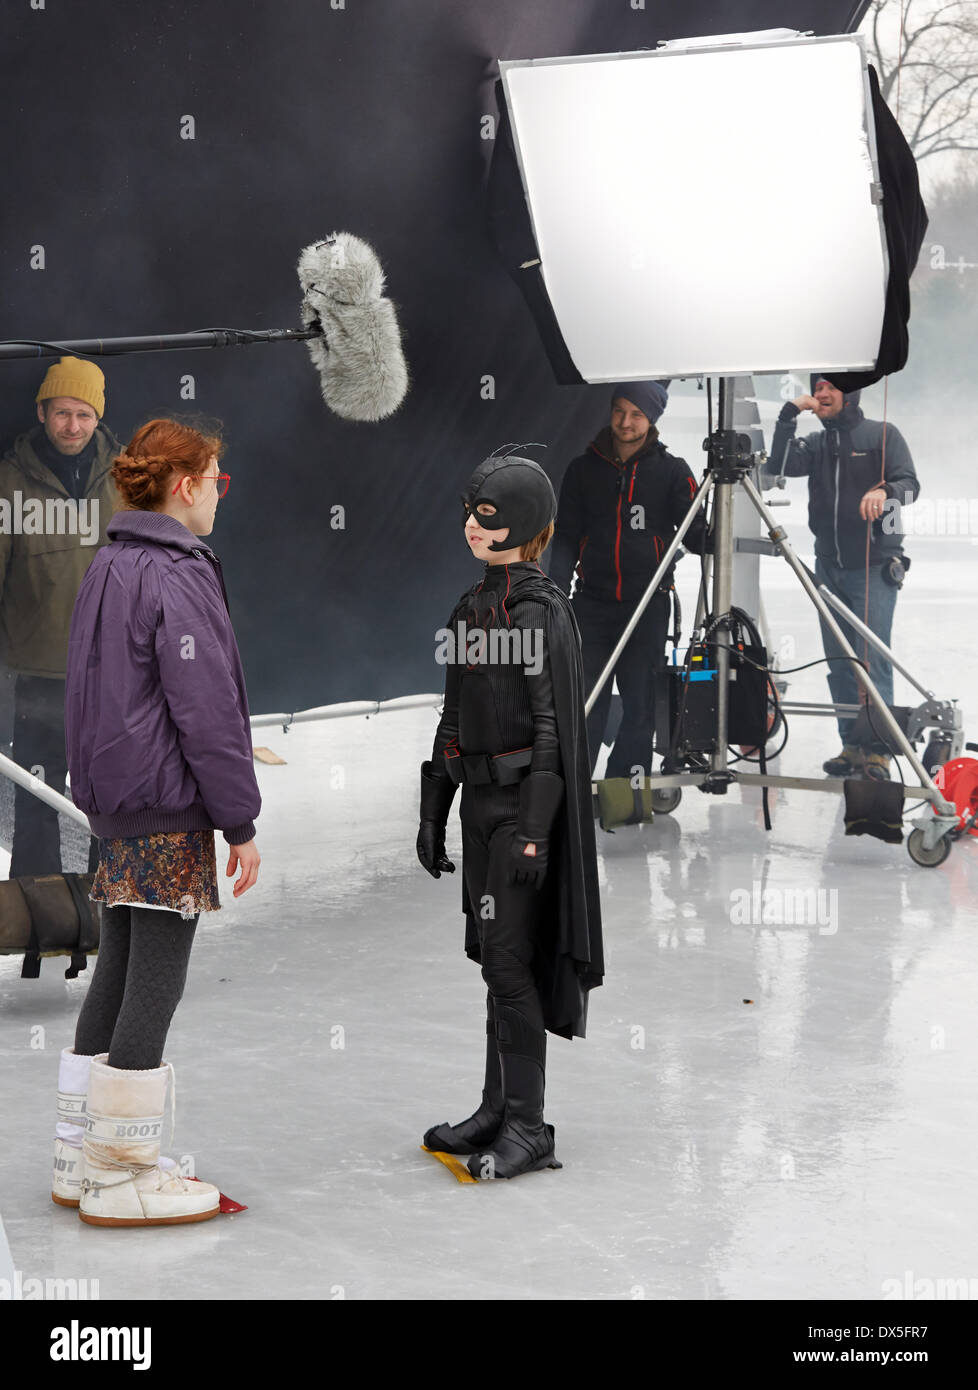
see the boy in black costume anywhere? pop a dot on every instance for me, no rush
(512, 735)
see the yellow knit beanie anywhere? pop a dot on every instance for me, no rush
(73, 377)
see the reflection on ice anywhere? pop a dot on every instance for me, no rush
(710, 1145)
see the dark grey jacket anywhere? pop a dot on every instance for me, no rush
(842, 463)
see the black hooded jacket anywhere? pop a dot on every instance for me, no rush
(843, 462)
(615, 520)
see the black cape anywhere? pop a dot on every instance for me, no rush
(569, 959)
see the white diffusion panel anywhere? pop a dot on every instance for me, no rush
(705, 212)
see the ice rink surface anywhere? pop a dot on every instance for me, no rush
(761, 1110)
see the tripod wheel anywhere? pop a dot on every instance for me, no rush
(666, 800)
(927, 858)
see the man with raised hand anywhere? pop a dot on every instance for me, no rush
(859, 471)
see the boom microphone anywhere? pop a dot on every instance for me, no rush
(361, 366)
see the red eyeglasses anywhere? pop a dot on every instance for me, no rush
(223, 481)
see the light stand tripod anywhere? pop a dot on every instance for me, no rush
(730, 461)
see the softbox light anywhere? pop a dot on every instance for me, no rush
(705, 210)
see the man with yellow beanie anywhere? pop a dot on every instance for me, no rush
(56, 499)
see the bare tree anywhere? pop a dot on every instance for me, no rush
(928, 67)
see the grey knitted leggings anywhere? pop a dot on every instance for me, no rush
(138, 982)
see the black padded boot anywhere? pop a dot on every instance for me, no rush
(878, 767)
(524, 1144)
(479, 1130)
(848, 763)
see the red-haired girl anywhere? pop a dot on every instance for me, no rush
(160, 755)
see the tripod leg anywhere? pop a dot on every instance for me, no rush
(723, 543)
(702, 492)
(778, 536)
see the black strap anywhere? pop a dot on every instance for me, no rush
(86, 936)
(31, 967)
(87, 930)
(762, 760)
(677, 619)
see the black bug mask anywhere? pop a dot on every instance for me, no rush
(521, 493)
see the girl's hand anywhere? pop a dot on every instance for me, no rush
(246, 857)
(529, 861)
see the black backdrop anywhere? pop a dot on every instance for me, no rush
(309, 116)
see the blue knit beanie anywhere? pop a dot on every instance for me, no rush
(650, 397)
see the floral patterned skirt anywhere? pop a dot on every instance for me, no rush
(176, 870)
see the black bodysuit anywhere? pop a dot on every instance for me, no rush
(492, 705)
(496, 706)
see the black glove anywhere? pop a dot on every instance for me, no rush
(541, 794)
(437, 795)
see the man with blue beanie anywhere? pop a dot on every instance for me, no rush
(620, 504)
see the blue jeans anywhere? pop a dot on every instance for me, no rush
(850, 587)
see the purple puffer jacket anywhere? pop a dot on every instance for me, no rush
(156, 713)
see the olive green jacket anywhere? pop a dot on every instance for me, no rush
(47, 542)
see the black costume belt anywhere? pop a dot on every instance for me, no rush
(479, 768)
